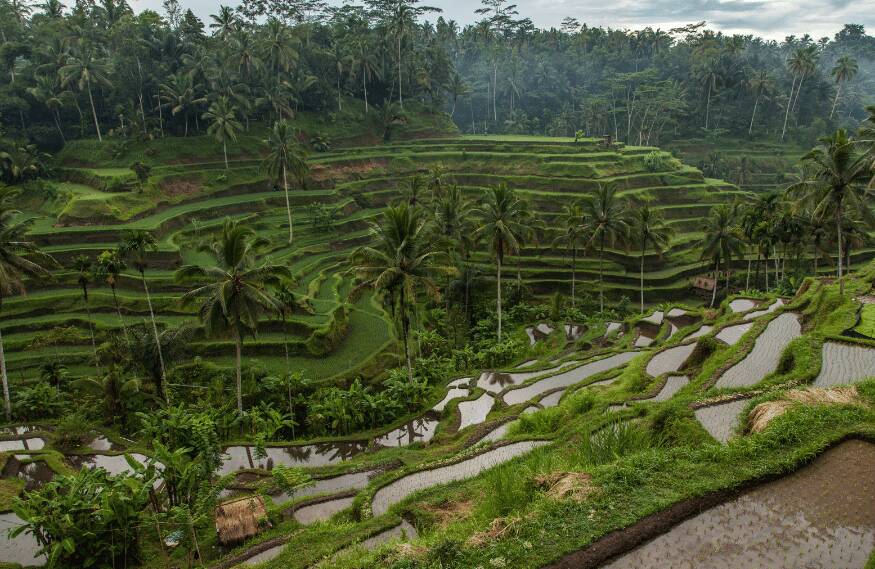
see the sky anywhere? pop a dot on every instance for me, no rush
(773, 19)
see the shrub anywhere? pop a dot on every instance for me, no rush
(73, 431)
(41, 401)
(656, 161)
(615, 440)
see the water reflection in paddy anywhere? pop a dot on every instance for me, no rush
(321, 454)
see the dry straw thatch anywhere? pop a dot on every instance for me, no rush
(240, 519)
(765, 413)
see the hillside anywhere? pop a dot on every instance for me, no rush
(188, 193)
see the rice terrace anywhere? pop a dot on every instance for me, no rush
(387, 285)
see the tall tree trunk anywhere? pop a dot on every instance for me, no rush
(7, 402)
(602, 275)
(642, 280)
(58, 125)
(747, 277)
(288, 204)
(836, 100)
(839, 240)
(499, 296)
(120, 317)
(787, 111)
(238, 350)
(161, 117)
(91, 330)
(365, 88)
(708, 106)
(225, 150)
(154, 328)
(94, 113)
(814, 256)
(573, 274)
(405, 336)
(752, 116)
(400, 98)
(716, 281)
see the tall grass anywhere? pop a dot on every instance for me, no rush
(615, 440)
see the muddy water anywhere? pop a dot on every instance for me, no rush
(766, 353)
(673, 384)
(647, 334)
(322, 511)
(552, 400)
(475, 412)
(732, 334)
(670, 360)
(351, 481)
(494, 381)
(102, 443)
(453, 393)
(771, 308)
(35, 443)
(396, 491)
(612, 328)
(22, 549)
(704, 330)
(421, 429)
(820, 517)
(656, 318)
(720, 420)
(567, 378)
(742, 305)
(113, 464)
(34, 474)
(239, 457)
(844, 363)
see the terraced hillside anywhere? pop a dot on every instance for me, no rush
(97, 199)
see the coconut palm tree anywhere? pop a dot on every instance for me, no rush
(224, 125)
(285, 156)
(606, 224)
(18, 258)
(454, 225)
(365, 65)
(109, 267)
(803, 62)
(505, 224)
(844, 70)
(763, 86)
(723, 241)
(225, 22)
(649, 231)
(572, 237)
(88, 72)
(180, 96)
(237, 290)
(84, 273)
(47, 92)
(837, 185)
(401, 264)
(135, 247)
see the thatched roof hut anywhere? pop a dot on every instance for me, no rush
(240, 519)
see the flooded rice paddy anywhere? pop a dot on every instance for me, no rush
(732, 334)
(313, 513)
(567, 378)
(34, 473)
(656, 318)
(703, 331)
(771, 308)
(673, 384)
(421, 429)
(670, 360)
(720, 420)
(766, 353)
(552, 400)
(820, 517)
(495, 381)
(321, 454)
(351, 481)
(475, 412)
(22, 549)
(742, 305)
(35, 443)
(453, 393)
(398, 490)
(498, 433)
(844, 363)
(113, 464)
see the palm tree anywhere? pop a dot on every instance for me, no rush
(179, 95)
(837, 185)
(606, 224)
(453, 224)
(650, 231)
(285, 155)
(801, 63)
(723, 241)
(109, 267)
(83, 267)
(401, 263)
(709, 75)
(504, 223)
(46, 92)
(18, 258)
(278, 48)
(225, 125)
(237, 292)
(762, 85)
(571, 235)
(225, 22)
(365, 65)
(87, 72)
(135, 246)
(845, 69)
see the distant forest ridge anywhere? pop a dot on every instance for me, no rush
(97, 68)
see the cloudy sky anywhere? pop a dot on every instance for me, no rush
(768, 18)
